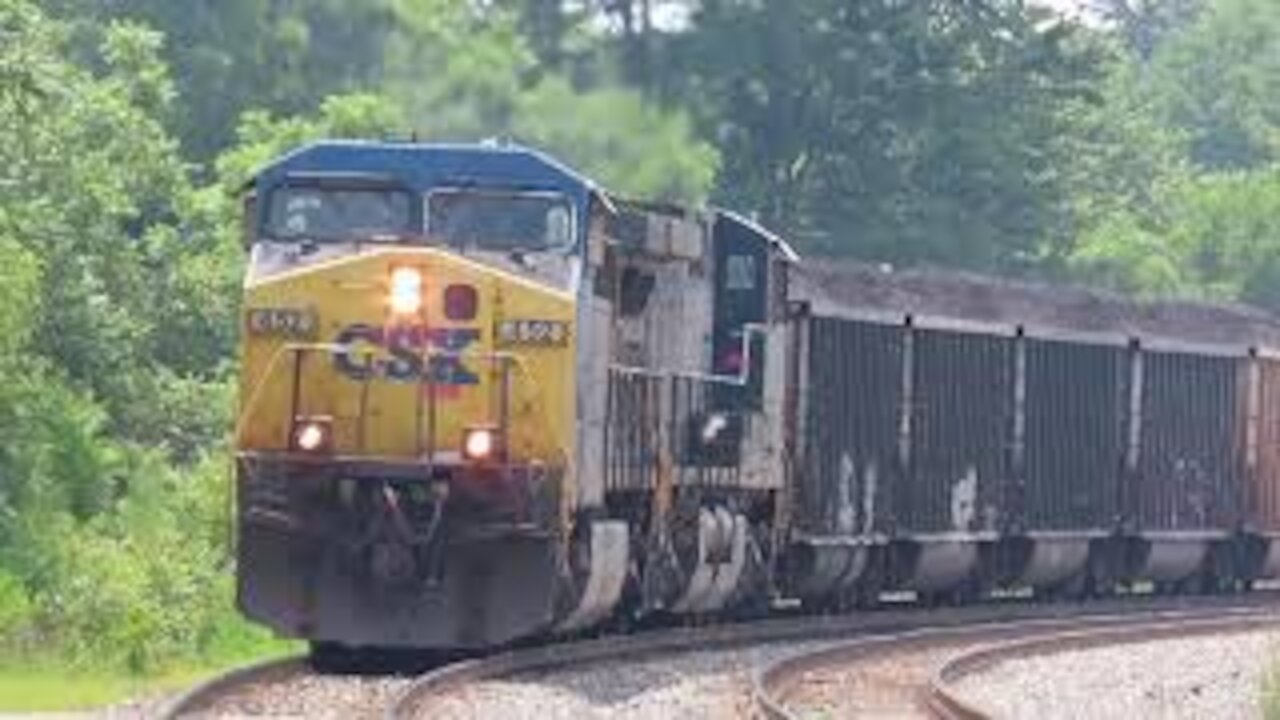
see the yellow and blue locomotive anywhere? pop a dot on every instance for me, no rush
(482, 400)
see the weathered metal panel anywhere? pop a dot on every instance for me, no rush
(853, 404)
(592, 386)
(1264, 490)
(1189, 469)
(764, 445)
(1075, 413)
(962, 414)
(678, 318)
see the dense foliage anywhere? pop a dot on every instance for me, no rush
(1138, 149)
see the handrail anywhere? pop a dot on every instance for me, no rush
(741, 379)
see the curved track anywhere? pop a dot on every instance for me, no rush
(1013, 637)
(945, 701)
(203, 695)
(870, 632)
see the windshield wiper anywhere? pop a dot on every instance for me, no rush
(520, 256)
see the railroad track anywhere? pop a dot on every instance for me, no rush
(943, 656)
(400, 699)
(203, 696)
(948, 702)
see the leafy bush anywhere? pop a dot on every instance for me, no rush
(16, 612)
(116, 322)
(146, 585)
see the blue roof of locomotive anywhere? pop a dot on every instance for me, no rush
(421, 166)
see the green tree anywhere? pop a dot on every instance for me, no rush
(99, 195)
(1145, 24)
(105, 429)
(462, 75)
(232, 56)
(1218, 80)
(912, 132)
(1215, 236)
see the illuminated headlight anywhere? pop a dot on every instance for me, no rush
(406, 291)
(479, 443)
(312, 435)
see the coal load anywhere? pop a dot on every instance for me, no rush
(837, 287)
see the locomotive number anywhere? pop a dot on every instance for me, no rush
(288, 322)
(533, 332)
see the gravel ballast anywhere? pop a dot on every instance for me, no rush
(711, 685)
(310, 696)
(886, 684)
(1216, 676)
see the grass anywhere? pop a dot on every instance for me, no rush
(36, 690)
(45, 686)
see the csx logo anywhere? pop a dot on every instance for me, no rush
(405, 348)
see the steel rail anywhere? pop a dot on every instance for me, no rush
(882, 626)
(772, 683)
(203, 695)
(871, 629)
(946, 702)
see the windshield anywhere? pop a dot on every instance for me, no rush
(322, 213)
(489, 220)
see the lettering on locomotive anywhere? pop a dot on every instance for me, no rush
(411, 353)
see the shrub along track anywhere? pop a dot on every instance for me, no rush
(916, 672)
(289, 687)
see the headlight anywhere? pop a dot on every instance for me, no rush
(312, 435)
(406, 290)
(479, 443)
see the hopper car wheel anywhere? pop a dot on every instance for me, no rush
(965, 593)
(867, 598)
(1077, 588)
(969, 592)
(936, 599)
(1081, 587)
(868, 589)
(1221, 577)
(1207, 582)
(825, 605)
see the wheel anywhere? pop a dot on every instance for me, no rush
(1078, 588)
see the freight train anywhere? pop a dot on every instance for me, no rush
(483, 399)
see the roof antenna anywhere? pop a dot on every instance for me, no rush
(413, 135)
